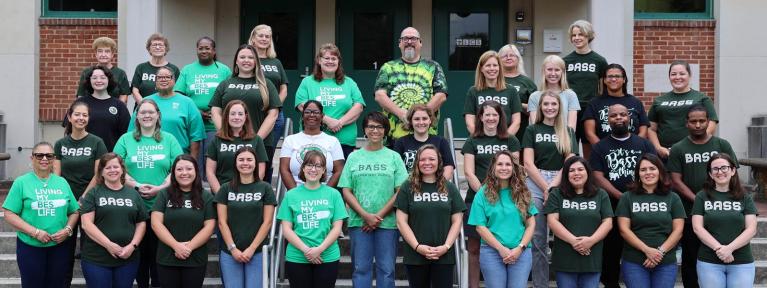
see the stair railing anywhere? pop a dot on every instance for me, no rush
(272, 252)
(461, 254)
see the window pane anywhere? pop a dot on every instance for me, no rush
(469, 38)
(670, 6)
(83, 5)
(373, 37)
(285, 36)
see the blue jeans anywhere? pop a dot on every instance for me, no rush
(637, 276)
(712, 275)
(380, 244)
(236, 274)
(204, 144)
(103, 276)
(541, 232)
(279, 126)
(499, 275)
(577, 280)
(44, 266)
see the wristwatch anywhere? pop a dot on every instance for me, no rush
(522, 246)
(231, 247)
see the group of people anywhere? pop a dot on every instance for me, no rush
(133, 183)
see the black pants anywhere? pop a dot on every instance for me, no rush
(611, 257)
(690, 245)
(269, 170)
(181, 277)
(430, 275)
(304, 275)
(347, 150)
(147, 267)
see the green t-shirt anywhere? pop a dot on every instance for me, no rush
(116, 213)
(144, 77)
(183, 223)
(43, 205)
(651, 218)
(429, 216)
(524, 86)
(543, 140)
(78, 159)
(407, 84)
(199, 82)
(312, 213)
(274, 71)
(725, 219)
(670, 112)
(484, 149)
(147, 160)
(502, 218)
(581, 216)
(691, 160)
(336, 99)
(508, 98)
(246, 89)
(245, 211)
(583, 72)
(180, 118)
(222, 151)
(118, 75)
(373, 176)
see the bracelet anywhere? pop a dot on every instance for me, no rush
(416, 247)
(69, 230)
(662, 251)
(37, 231)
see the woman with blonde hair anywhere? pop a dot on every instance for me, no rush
(489, 85)
(554, 79)
(261, 38)
(514, 73)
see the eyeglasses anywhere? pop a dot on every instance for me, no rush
(40, 156)
(723, 169)
(374, 127)
(147, 112)
(312, 112)
(164, 78)
(311, 166)
(157, 45)
(409, 39)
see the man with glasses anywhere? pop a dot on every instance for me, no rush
(688, 162)
(407, 81)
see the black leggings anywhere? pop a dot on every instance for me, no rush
(430, 275)
(181, 277)
(305, 275)
(690, 245)
(147, 267)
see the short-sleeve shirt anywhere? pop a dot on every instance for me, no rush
(725, 219)
(180, 118)
(524, 86)
(43, 204)
(598, 107)
(245, 211)
(183, 223)
(581, 216)
(336, 99)
(651, 218)
(273, 70)
(502, 218)
(429, 216)
(407, 84)
(568, 102)
(670, 112)
(373, 177)
(78, 159)
(247, 90)
(115, 213)
(543, 140)
(118, 75)
(408, 146)
(222, 151)
(295, 147)
(583, 72)
(484, 149)
(199, 82)
(312, 213)
(108, 119)
(617, 159)
(144, 77)
(508, 98)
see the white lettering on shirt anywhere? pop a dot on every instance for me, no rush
(430, 197)
(649, 207)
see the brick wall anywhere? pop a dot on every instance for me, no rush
(663, 41)
(65, 49)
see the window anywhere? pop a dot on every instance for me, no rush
(469, 38)
(673, 9)
(79, 8)
(285, 36)
(372, 32)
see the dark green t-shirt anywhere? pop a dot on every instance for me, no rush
(78, 158)
(691, 160)
(183, 223)
(508, 98)
(116, 213)
(581, 216)
(670, 112)
(583, 72)
(651, 218)
(118, 75)
(246, 89)
(144, 78)
(429, 216)
(484, 149)
(725, 219)
(245, 211)
(524, 86)
(543, 140)
(274, 71)
(222, 151)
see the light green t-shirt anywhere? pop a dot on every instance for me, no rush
(651, 218)
(183, 223)
(180, 118)
(336, 101)
(245, 211)
(373, 177)
(502, 218)
(312, 213)
(45, 206)
(78, 159)
(199, 82)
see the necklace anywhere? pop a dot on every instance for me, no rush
(45, 183)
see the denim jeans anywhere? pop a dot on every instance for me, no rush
(541, 232)
(204, 144)
(637, 276)
(245, 275)
(380, 244)
(497, 274)
(44, 266)
(279, 127)
(712, 275)
(97, 276)
(577, 280)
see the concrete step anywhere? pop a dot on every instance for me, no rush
(10, 269)
(80, 282)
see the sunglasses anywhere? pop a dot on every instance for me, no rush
(40, 156)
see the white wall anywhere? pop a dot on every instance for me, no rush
(227, 34)
(183, 22)
(554, 14)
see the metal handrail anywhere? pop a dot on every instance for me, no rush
(460, 252)
(272, 251)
